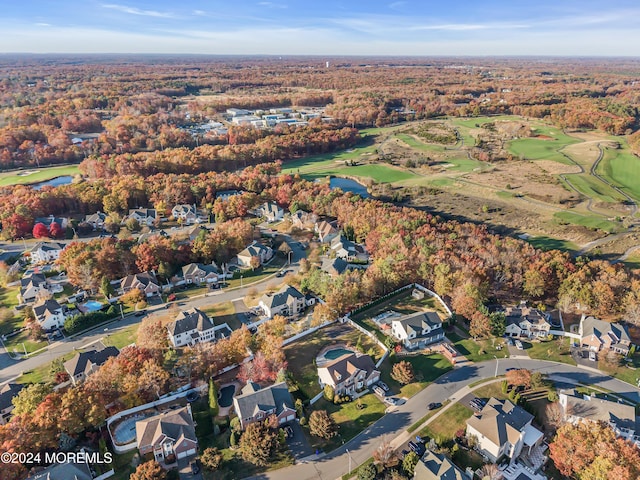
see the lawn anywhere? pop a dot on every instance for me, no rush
(478, 351)
(425, 367)
(594, 188)
(40, 175)
(42, 373)
(257, 275)
(301, 354)
(629, 374)
(351, 421)
(633, 261)
(593, 222)
(556, 350)
(621, 168)
(122, 465)
(122, 338)
(533, 148)
(417, 144)
(549, 243)
(444, 428)
(9, 299)
(21, 342)
(223, 313)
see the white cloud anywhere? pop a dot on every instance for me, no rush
(42, 24)
(137, 11)
(273, 5)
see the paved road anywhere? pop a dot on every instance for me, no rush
(451, 386)
(10, 368)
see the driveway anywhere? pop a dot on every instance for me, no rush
(581, 356)
(298, 444)
(184, 469)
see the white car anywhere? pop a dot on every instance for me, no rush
(390, 400)
(592, 356)
(519, 345)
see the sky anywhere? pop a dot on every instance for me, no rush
(323, 27)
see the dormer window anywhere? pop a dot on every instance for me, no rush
(338, 376)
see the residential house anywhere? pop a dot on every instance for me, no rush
(44, 252)
(225, 195)
(334, 266)
(598, 335)
(418, 329)
(326, 231)
(201, 273)
(619, 416)
(437, 466)
(270, 211)
(31, 286)
(7, 392)
(286, 301)
(47, 221)
(96, 220)
(349, 374)
(503, 429)
(188, 214)
(194, 326)
(256, 404)
(145, 216)
(523, 321)
(348, 250)
(194, 232)
(50, 314)
(303, 220)
(146, 282)
(256, 249)
(169, 436)
(86, 363)
(64, 471)
(237, 112)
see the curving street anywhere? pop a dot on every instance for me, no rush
(450, 386)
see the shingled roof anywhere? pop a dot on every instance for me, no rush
(192, 319)
(501, 421)
(254, 399)
(176, 425)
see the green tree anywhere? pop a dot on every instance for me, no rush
(214, 408)
(258, 443)
(409, 463)
(329, 392)
(106, 288)
(498, 323)
(211, 458)
(30, 397)
(367, 472)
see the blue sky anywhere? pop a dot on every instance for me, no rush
(323, 27)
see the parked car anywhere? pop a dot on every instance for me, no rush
(418, 448)
(419, 439)
(519, 345)
(511, 368)
(592, 356)
(477, 403)
(384, 386)
(140, 313)
(434, 405)
(377, 389)
(390, 400)
(288, 431)
(195, 468)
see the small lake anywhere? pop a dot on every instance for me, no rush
(347, 185)
(54, 182)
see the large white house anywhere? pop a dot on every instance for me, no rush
(31, 286)
(287, 301)
(349, 373)
(44, 252)
(188, 214)
(194, 326)
(503, 429)
(418, 329)
(523, 321)
(144, 216)
(50, 314)
(271, 211)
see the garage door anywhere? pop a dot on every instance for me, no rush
(187, 453)
(291, 418)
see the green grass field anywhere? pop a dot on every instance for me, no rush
(549, 243)
(621, 168)
(541, 149)
(591, 187)
(446, 425)
(593, 222)
(417, 144)
(41, 175)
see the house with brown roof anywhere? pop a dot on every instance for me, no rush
(326, 231)
(146, 282)
(303, 220)
(169, 436)
(257, 250)
(349, 374)
(503, 429)
(598, 335)
(256, 404)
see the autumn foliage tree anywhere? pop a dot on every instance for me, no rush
(519, 377)
(322, 425)
(258, 443)
(40, 231)
(402, 372)
(150, 470)
(591, 451)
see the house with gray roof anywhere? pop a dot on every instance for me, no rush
(349, 373)
(348, 250)
(257, 250)
(256, 404)
(270, 211)
(96, 220)
(144, 216)
(31, 286)
(418, 329)
(194, 326)
(620, 417)
(188, 214)
(50, 314)
(286, 301)
(64, 471)
(503, 429)
(436, 466)
(598, 335)
(44, 252)
(524, 321)
(86, 363)
(7, 392)
(169, 436)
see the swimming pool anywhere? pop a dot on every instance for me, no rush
(336, 353)
(92, 306)
(226, 395)
(125, 431)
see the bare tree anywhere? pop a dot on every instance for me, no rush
(490, 472)
(385, 456)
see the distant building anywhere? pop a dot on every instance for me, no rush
(256, 249)
(194, 326)
(256, 404)
(144, 216)
(44, 252)
(168, 436)
(237, 112)
(270, 211)
(303, 220)
(47, 221)
(86, 363)
(96, 220)
(227, 194)
(188, 214)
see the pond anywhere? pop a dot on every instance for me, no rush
(54, 182)
(348, 185)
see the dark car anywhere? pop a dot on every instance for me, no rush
(404, 453)
(195, 468)
(140, 313)
(288, 431)
(417, 448)
(434, 405)
(384, 386)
